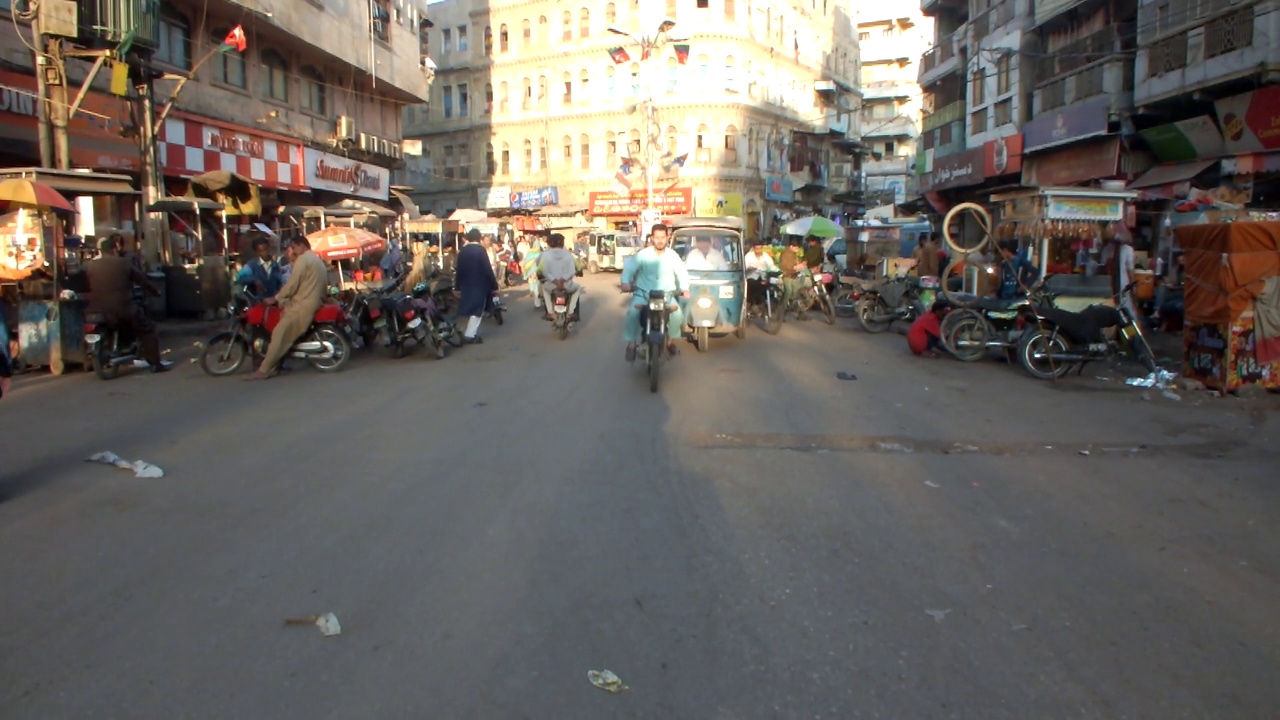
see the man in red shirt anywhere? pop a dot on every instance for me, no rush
(926, 332)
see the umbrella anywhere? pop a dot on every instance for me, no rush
(814, 225)
(340, 243)
(472, 216)
(21, 191)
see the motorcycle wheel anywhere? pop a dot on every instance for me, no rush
(223, 354)
(341, 350)
(497, 315)
(702, 338)
(845, 304)
(655, 362)
(868, 308)
(368, 336)
(828, 310)
(563, 329)
(454, 337)
(966, 336)
(1037, 341)
(101, 359)
(399, 349)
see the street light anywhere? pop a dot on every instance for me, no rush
(648, 48)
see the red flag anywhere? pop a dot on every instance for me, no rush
(234, 40)
(619, 55)
(644, 53)
(682, 53)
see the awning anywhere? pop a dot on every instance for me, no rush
(1171, 173)
(409, 206)
(75, 183)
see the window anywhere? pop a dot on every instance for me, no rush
(488, 98)
(314, 98)
(671, 9)
(1002, 75)
(729, 11)
(527, 96)
(584, 23)
(730, 75)
(462, 38)
(448, 162)
(464, 104)
(584, 150)
(704, 70)
(704, 144)
(380, 11)
(610, 82)
(635, 79)
(446, 40)
(528, 156)
(275, 76)
(568, 150)
(610, 15)
(488, 40)
(228, 67)
(526, 34)
(671, 140)
(567, 79)
(975, 89)
(731, 145)
(584, 84)
(503, 91)
(673, 76)
(503, 39)
(490, 162)
(610, 148)
(567, 22)
(1004, 112)
(633, 147)
(978, 121)
(864, 36)
(175, 40)
(506, 158)
(888, 149)
(542, 91)
(704, 4)
(544, 29)
(542, 153)
(464, 161)
(447, 90)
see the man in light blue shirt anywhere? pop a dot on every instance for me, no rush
(656, 267)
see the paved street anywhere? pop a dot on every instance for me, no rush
(759, 540)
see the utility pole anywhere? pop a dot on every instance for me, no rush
(56, 81)
(153, 232)
(43, 119)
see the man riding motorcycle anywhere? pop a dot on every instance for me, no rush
(111, 279)
(656, 267)
(757, 264)
(554, 266)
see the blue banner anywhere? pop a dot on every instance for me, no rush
(778, 189)
(530, 199)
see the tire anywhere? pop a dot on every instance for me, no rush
(563, 329)
(968, 328)
(341, 345)
(223, 348)
(655, 363)
(101, 359)
(1036, 340)
(845, 304)
(455, 336)
(957, 299)
(593, 267)
(828, 310)
(399, 349)
(368, 336)
(984, 220)
(773, 322)
(497, 316)
(868, 307)
(702, 338)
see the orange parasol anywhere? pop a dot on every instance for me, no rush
(340, 243)
(21, 191)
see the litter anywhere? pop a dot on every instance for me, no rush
(328, 623)
(1085, 453)
(932, 484)
(606, 680)
(892, 447)
(1159, 379)
(140, 468)
(846, 375)
(961, 448)
(937, 615)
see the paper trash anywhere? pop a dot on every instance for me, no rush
(140, 468)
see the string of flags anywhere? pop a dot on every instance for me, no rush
(620, 55)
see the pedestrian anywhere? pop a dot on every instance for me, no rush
(6, 365)
(787, 261)
(476, 284)
(925, 334)
(300, 298)
(927, 256)
(529, 267)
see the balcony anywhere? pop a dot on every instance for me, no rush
(889, 166)
(1227, 45)
(1074, 56)
(931, 7)
(1114, 78)
(888, 89)
(938, 62)
(944, 115)
(900, 126)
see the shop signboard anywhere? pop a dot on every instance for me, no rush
(710, 204)
(533, 199)
(1081, 163)
(324, 171)
(1073, 122)
(94, 132)
(492, 198)
(676, 201)
(1251, 121)
(778, 189)
(1184, 140)
(959, 169)
(1002, 156)
(1091, 209)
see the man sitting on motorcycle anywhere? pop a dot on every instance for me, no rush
(656, 267)
(556, 266)
(111, 279)
(299, 299)
(755, 265)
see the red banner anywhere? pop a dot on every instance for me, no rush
(676, 201)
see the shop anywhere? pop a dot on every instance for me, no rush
(622, 210)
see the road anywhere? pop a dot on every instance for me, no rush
(759, 540)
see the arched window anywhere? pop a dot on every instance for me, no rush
(275, 76)
(673, 75)
(526, 100)
(528, 156)
(526, 33)
(566, 19)
(584, 83)
(633, 146)
(610, 82)
(506, 159)
(635, 78)
(704, 144)
(704, 70)
(672, 140)
(568, 150)
(504, 42)
(503, 90)
(490, 162)
(610, 148)
(542, 91)
(175, 40)
(314, 97)
(731, 145)
(542, 153)
(544, 29)
(567, 79)
(228, 67)
(584, 151)
(488, 99)
(610, 15)
(584, 23)
(488, 40)
(730, 74)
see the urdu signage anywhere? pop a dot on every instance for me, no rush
(324, 171)
(967, 167)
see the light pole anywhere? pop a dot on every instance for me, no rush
(649, 47)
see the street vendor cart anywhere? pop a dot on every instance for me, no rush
(196, 256)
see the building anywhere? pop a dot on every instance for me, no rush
(891, 47)
(307, 113)
(538, 103)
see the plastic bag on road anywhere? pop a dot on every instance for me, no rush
(140, 468)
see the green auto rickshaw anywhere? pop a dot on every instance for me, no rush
(712, 251)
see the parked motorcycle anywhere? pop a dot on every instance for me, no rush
(1061, 340)
(325, 344)
(850, 289)
(652, 350)
(768, 304)
(109, 345)
(896, 299)
(495, 307)
(983, 324)
(435, 330)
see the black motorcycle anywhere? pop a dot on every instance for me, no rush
(1061, 340)
(764, 294)
(896, 299)
(652, 350)
(983, 324)
(109, 345)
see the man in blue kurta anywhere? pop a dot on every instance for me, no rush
(656, 267)
(476, 284)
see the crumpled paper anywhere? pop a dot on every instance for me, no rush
(1162, 379)
(140, 468)
(328, 623)
(606, 680)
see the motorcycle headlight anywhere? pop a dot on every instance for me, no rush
(656, 305)
(774, 281)
(704, 303)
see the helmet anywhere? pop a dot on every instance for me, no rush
(420, 289)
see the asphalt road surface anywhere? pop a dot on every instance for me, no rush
(758, 540)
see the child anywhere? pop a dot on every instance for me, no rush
(926, 332)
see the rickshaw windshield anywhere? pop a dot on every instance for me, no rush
(708, 249)
(631, 241)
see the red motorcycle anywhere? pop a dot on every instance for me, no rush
(325, 344)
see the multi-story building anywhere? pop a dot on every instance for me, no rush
(309, 111)
(891, 47)
(540, 103)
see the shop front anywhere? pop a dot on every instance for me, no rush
(1251, 126)
(1082, 163)
(623, 210)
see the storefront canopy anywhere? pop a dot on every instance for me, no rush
(1226, 265)
(73, 183)
(1171, 173)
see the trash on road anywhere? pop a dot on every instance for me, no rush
(1159, 379)
(606, 680)
(932, 484)
(140, 468)
(892, 447)
(328, 623)
(1084, 453)
(1171, 395)
(937, 615)
(962, 448)
(846, 375)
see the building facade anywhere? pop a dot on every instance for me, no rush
(747, 109)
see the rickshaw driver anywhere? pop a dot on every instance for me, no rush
(655, 268)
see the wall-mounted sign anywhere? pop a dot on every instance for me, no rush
(491, 198)
(1092, 209)
(1184, 140)
(1087, 161)
(677, 201)
(779, 189)
(1073, 122)
(712, 204)
(324, 171)
(958, 169)
(530, 199)
(1003, 156)
(1251, 121)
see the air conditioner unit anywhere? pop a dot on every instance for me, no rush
(345, 128)
(840, 171)
(368, 143)
(393, 150)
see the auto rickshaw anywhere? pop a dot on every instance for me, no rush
(608, 250)
(712, 251)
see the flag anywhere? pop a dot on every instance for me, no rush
(644, 53)
(679, 162)
(682, 53)
(119, 78)
(234, 41)
(623, 172)
(619, 55)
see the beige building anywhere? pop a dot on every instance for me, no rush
(528, 96)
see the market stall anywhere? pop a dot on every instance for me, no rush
(196, 254)
(1227, 336)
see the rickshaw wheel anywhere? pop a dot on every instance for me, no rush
(593, 267)
(702, 337)
(740, 332)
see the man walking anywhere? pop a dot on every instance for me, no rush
(300, 298)
(476, 284)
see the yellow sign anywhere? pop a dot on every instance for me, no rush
(711, 204)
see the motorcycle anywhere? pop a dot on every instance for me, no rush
(769, 305)
(813, 293)
(652, 350)
(325, 344)
(109, 345)
(896, 299)
(970, 331)
(1061, 340)
(435, 330)
(562, 320)
(851, 288)
(495, 307)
